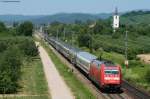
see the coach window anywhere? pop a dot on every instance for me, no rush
(99, 65)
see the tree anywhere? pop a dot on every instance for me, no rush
(101, 51)
(25, 29)
(29, 48)
(96, 44)
(85, 40)
(3, 46)
(2, 27)
(10, 70)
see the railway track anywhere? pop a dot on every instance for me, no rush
(135, 92)
(128, 91)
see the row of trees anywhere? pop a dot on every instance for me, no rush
(2, 27)
(18, 29)
(25, 29)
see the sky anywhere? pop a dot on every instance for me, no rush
(49, 7)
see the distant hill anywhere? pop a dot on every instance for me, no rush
(61, 17)
(70, 18)
(65, 18)
(133, 17)
(136, 17)
(16, 18)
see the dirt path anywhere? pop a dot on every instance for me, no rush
(145, 58)
(57, 87)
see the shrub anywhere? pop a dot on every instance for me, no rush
(3, 46)
(2, 27)
(147, 76)
(135, 63)
(85, 40)
(25, 29)
(29, 48)
(9, 70)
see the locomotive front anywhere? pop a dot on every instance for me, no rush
(111, 76)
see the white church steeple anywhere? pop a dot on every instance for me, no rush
(116, 20)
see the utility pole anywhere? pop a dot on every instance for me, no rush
(91, 46)
(57, 34)
(91, 34)
(64, 34)
(72, 32)
(126, 49)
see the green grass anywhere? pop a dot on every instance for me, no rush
(79, 90)
(115, 57)
(33, 78)
(33, 81)
(5, 34)
(136, 74)
(25, 97)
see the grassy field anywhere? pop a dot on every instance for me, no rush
(136, 74)
(79, 89)
(33, 82)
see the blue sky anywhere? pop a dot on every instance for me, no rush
(48, 7)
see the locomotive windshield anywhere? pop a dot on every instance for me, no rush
(111, 72)
(109, 63)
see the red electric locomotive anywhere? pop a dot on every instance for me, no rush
(105, 74)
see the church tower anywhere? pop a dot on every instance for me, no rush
(116, 20)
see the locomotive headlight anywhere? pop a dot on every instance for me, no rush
(107, 78)
(116, 78)
(112, 78)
